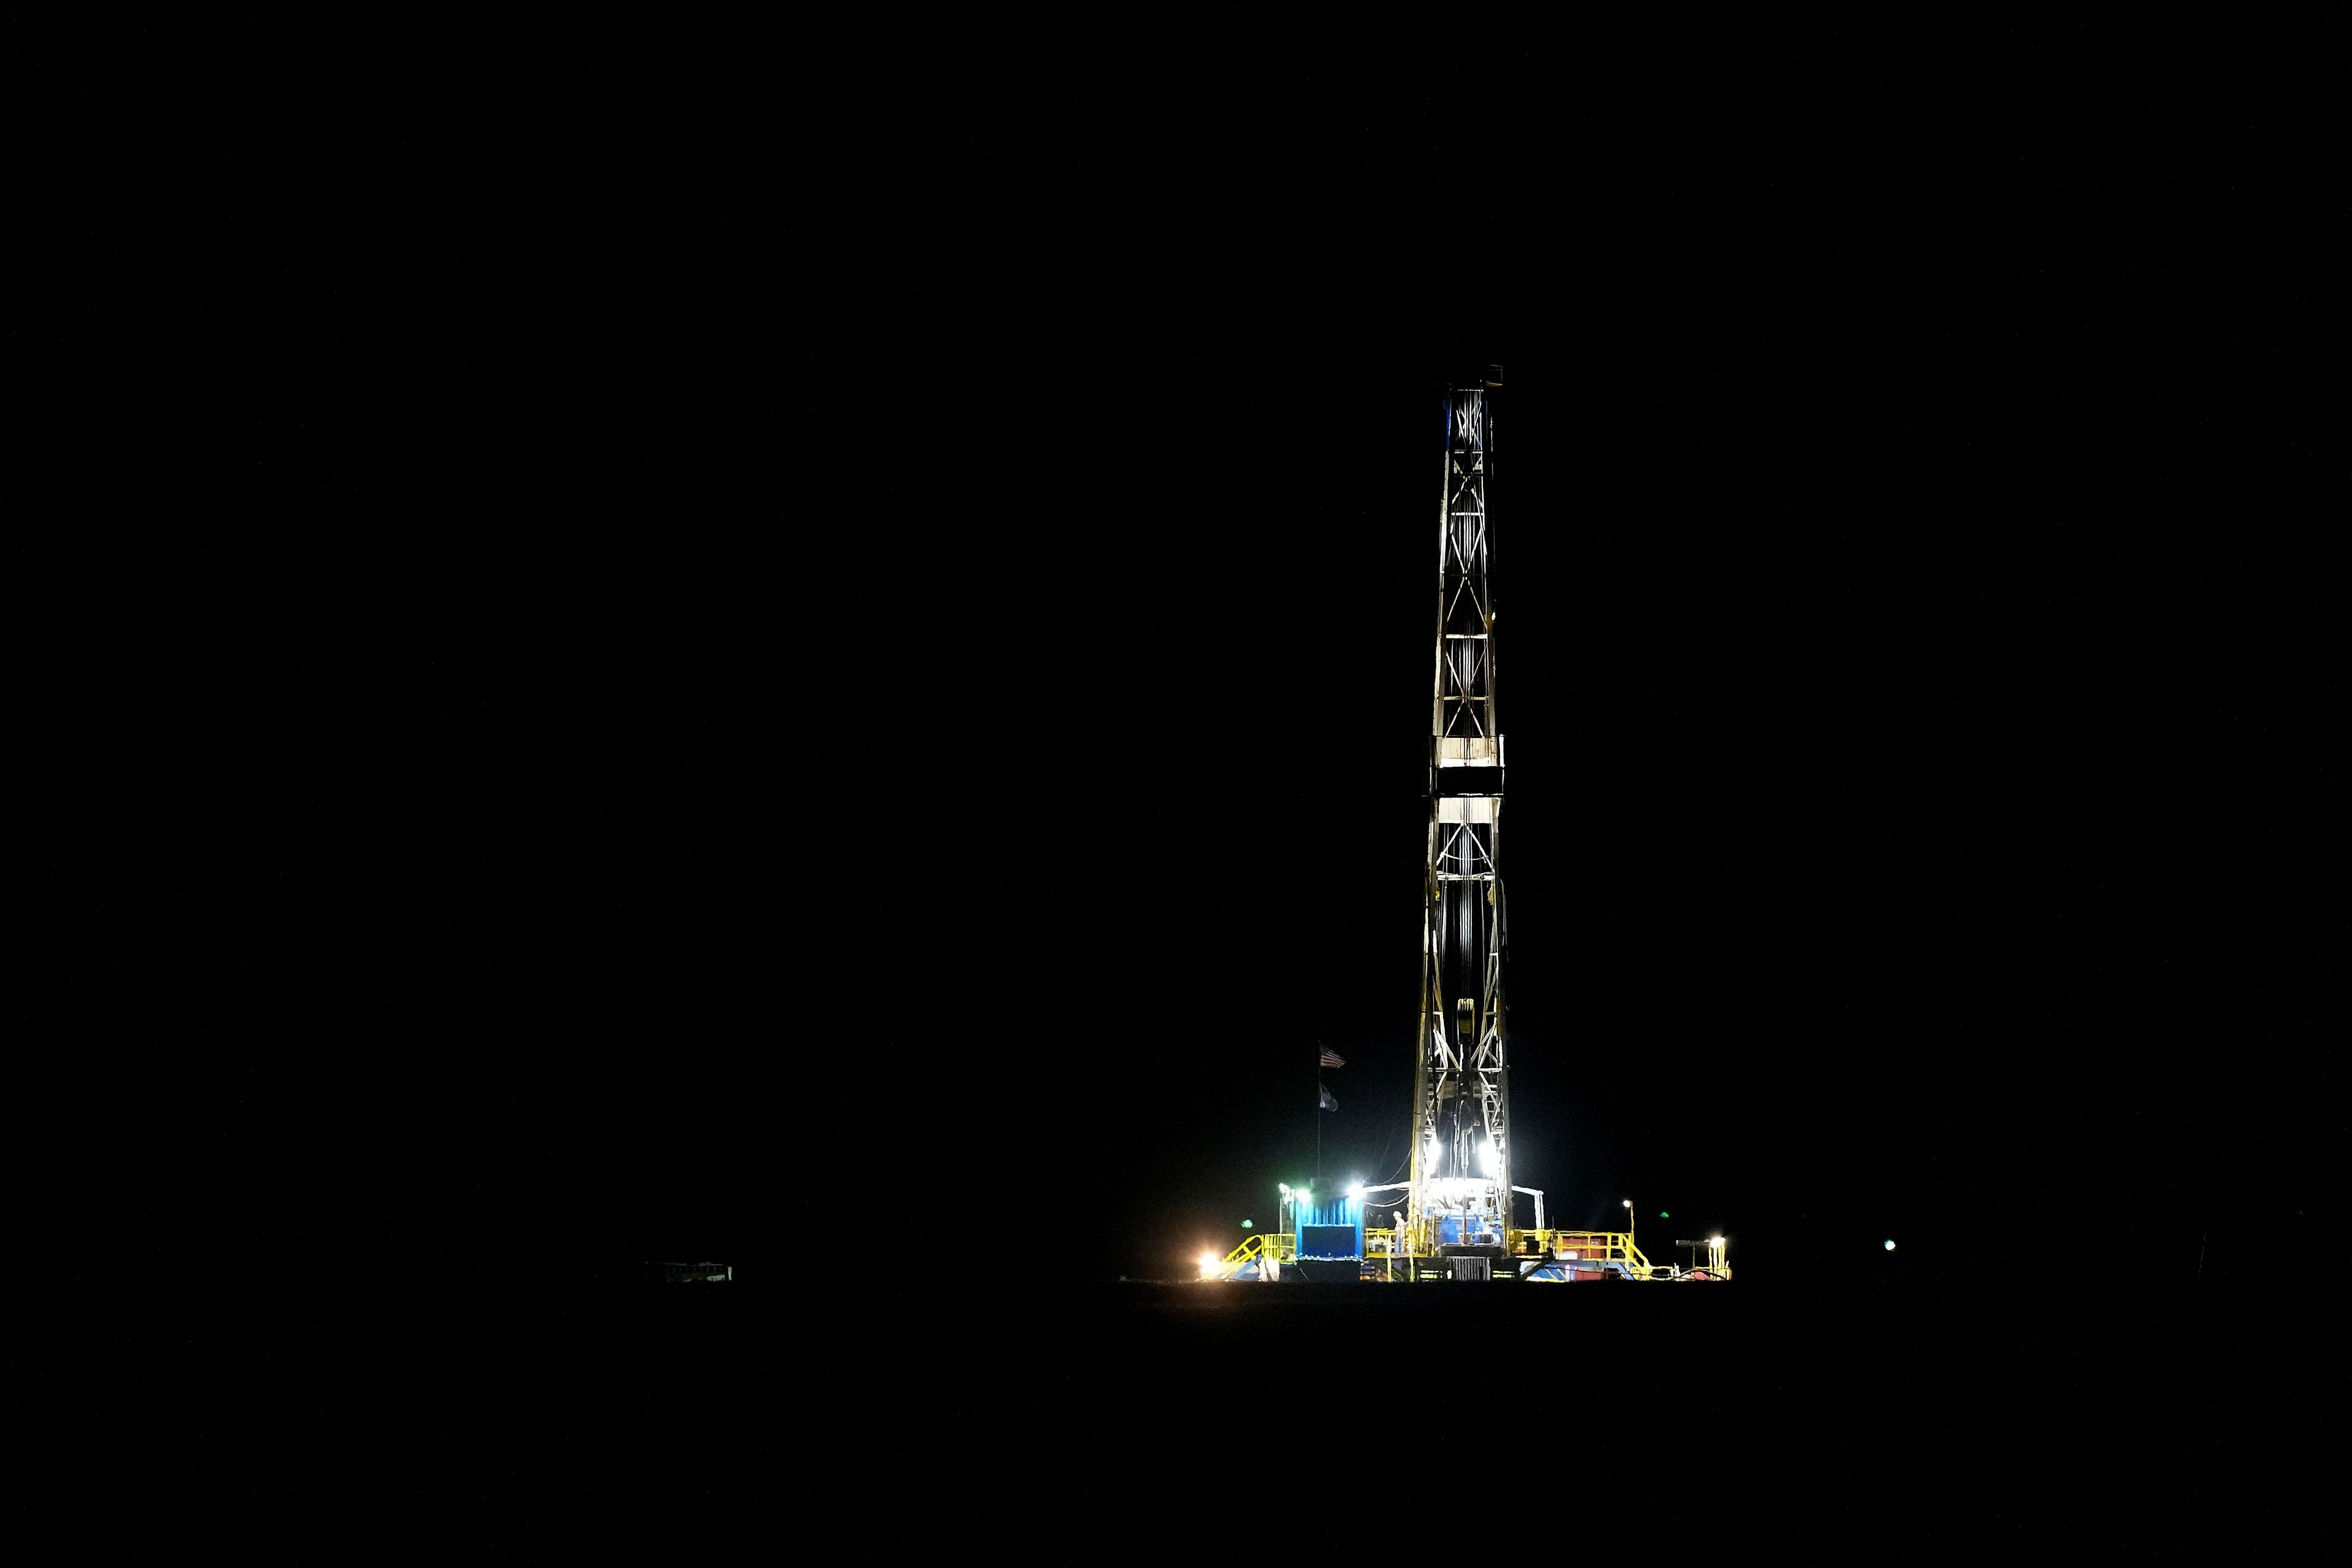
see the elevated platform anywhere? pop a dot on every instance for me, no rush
(1534, 1255)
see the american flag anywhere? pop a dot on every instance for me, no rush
(1330, 1058)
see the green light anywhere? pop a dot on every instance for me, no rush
(1245, 1224)
(1664, 1215)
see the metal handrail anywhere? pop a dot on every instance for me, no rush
(1590, 1245)
(1285, 1243)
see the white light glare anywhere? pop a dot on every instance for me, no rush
(1487, 1158)
(1209, 1261)
(1355, 1191)
(1714, 1241)
(1890, 1247)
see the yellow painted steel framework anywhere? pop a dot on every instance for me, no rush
(1524, 1250)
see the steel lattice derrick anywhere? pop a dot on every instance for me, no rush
(1462, 1141)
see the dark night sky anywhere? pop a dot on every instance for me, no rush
(1908, 656)
(908, 652)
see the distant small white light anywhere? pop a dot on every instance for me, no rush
(1890, 1247)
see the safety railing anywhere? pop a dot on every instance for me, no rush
(1530, 1245)
(1589, 1246)
(1598, 1246)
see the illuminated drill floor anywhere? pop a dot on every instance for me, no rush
(1543, 1256)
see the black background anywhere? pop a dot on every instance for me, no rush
(634, 645)
(813, 652)
(1909, 653)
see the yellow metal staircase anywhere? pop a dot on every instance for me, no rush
(1281, 1246)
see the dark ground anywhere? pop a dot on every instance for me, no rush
(2026, 1412)
(2030, 1411)
(2022, 1411)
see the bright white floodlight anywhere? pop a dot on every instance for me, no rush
(1209, 1261)
(1357, 1192)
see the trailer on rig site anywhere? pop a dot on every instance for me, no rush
(1451, 1218)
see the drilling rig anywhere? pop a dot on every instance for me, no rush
(1454, 1217)
(1458, 1198)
